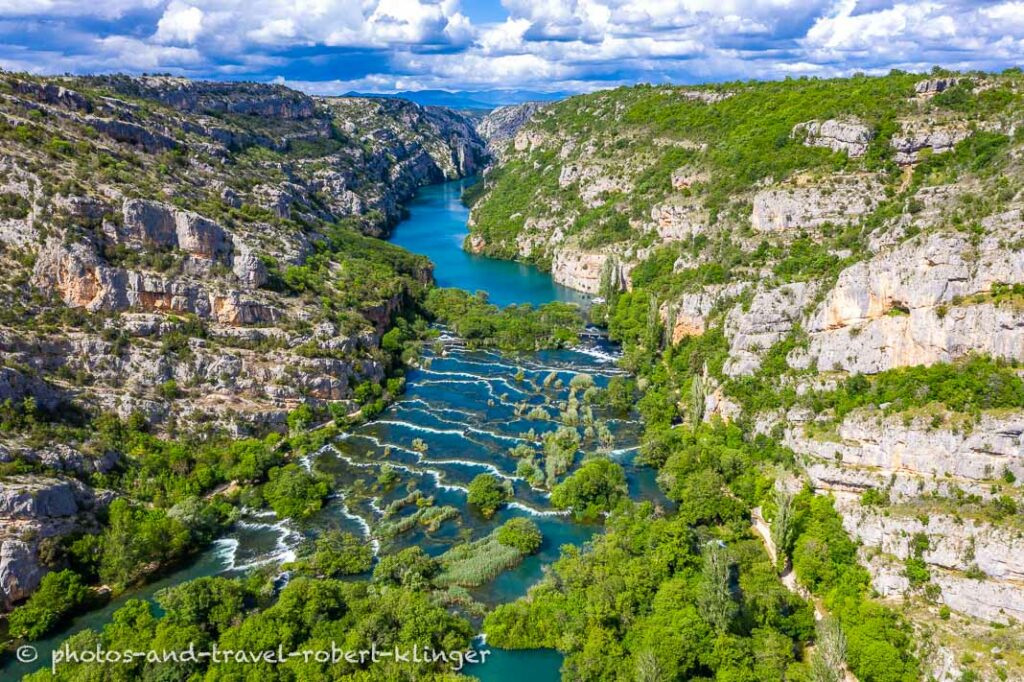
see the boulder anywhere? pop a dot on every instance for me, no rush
(933, 86)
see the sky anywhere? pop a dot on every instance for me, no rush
(333, 46)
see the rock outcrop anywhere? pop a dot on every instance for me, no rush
(754, 328)
(850, 136)
(585, 271)
(954, 546)
(916, 138)
(933, 86)
(843, 201)
(33, 509)
(501, 125)
(911, 305)
(892, 445)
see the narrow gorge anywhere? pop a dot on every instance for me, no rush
(655, 383)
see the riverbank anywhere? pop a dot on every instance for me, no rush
(462, 412)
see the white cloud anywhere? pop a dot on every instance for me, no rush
(547, 44)
(181, 23)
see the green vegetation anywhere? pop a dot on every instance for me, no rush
(521, 534)
(293, 492)
(58, 596)
(488, 493)
(629, 603)
(308, 614)
(514, 328)
(596, 487)
(335, 554)
(736, 142)
(969, 385)
(825, 559)
(475, 563)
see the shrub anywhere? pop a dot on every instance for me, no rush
(487, 493)
(522, 534)
(595, 487)
(337, 553)
(293, 492)
(59, 594)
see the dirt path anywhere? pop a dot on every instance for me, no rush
(788, 577)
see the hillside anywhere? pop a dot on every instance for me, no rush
(187, 264)
(834, 265)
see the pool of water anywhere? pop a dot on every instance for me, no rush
(461, 413)
(436, 228)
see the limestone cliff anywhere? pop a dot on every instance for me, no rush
(194, 255)
(797, 243)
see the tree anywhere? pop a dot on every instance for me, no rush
(411, 568)
(135, 539)
(595, 487)
(714, 598)
(252, 458)
(560, 448)
(211, 604)
(337, 553)
(521, 534)
(697, 398)
(293, 492)
(829, 658)
(488, 493)
(782, 526)
(300, 418)
(648, 668)
(620, 393)
(58, 595)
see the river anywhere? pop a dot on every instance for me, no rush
(457, 419)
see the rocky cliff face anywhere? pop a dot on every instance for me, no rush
(36, 510)
(798, 252)
(193, 254)
(501, 125)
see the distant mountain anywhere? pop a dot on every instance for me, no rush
(481, 99)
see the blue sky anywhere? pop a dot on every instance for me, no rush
(332, 46)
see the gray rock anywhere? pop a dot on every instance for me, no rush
(20, 572)
(52, 93)
(132, 133)
(917, 136)
(35, 497)
(858, 326)
(501, 125)
(890, 445)
(850, 135)
(768, 319)
(933, 86)
(843, 201)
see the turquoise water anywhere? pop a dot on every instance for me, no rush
(532, 665)
(436, 228)
(459, 417)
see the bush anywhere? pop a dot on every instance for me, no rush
(337, 553)
(169, 390)
(293, 492)
(522, 534)
(595, 487)
(59, 594)
(517, 327)
(487, 493)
